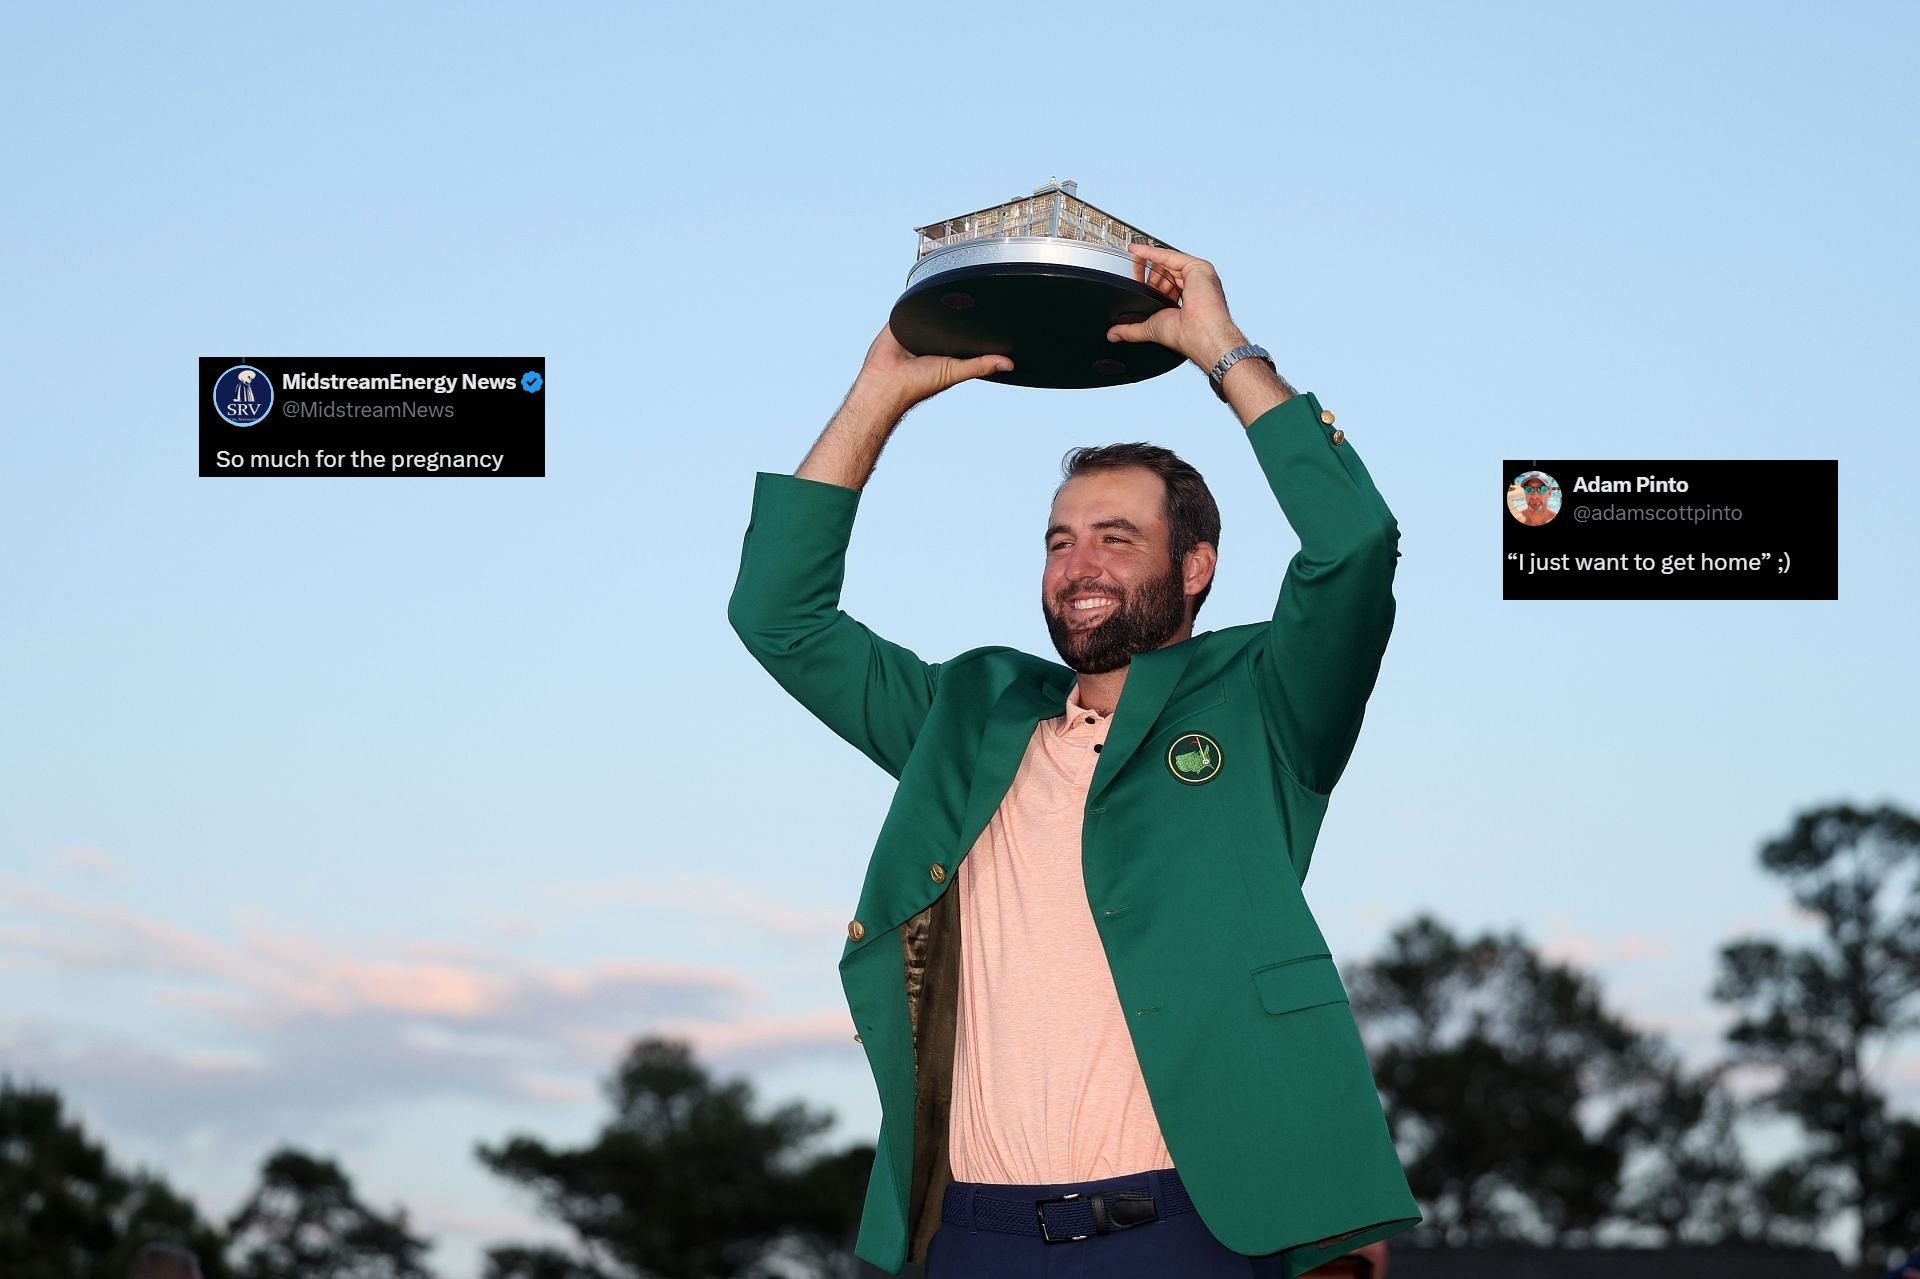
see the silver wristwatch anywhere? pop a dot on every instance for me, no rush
(1233, 357)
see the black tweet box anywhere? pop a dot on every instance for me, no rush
(1673, 530)
(400, 416)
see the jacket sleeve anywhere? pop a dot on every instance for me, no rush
(1330, 627)
(786, 609)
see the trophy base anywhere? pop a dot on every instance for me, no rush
(1050, 318)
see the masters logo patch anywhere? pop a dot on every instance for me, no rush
(1194, 758)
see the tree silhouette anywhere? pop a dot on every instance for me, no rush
(305, 1222)
(66, 1212)
(1695, 1185)
(1526, 1111)
(1819, 1017)
(685, 1182)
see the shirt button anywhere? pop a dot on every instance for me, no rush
(1096, 747)
(856, 930)
(937, 873)
(1326, 416)
(1089, 719)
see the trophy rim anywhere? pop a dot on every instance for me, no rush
(1036, 250)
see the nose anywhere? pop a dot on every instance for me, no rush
(1084, 563)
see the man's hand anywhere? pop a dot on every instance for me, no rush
(1199, 326)
(895, 375)
(891, 381)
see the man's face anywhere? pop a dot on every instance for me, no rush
(1537, 492)
(1111, 588)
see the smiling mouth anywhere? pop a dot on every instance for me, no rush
(1089, 611)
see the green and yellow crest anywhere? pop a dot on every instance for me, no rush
(1194, 758)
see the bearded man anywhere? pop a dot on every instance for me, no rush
(1099, 1013)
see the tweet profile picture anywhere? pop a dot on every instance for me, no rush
(243, 395)
(1533, 497)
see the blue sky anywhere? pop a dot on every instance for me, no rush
(376, 815)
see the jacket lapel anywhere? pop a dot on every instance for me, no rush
(1024, 703)
(1151, 679)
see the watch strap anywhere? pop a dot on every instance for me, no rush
(1217, 374)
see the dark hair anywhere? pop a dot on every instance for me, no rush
(164, 1261)
(1191, 514)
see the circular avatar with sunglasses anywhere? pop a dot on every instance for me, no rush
(1533, 497)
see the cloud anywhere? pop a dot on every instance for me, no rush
(1561, 943)
(85, 861)
(278, 1029)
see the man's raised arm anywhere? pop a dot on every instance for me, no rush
(786, 601)
(1330, 627)
(1336, 606)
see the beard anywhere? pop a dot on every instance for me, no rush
(1142, 620)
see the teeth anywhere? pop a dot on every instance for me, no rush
(1092, 603)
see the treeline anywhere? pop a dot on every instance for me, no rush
(685, 1178)
(1524, 1108)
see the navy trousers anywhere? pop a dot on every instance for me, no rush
(1176, 1246)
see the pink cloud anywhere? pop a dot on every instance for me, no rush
(1562, 943)
(82, 860)
(278, 1026)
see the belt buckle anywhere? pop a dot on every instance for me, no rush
(1040, 1212)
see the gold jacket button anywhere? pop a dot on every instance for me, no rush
(857, 1039)
(856, 930)
(1326, 416)
(937, 873)
(1338, 435)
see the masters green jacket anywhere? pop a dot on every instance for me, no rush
(1199, 826)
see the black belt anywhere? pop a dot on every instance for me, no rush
(1064, 1218)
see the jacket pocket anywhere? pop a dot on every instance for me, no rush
(1293, 984)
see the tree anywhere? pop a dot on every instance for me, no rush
(1694, 1185)
(305, 1222)
(66, 1212)
(1519, 1101)
(1816, 1016)
(1903, 1169)
(685, 1182)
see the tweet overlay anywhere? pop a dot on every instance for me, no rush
(1587, 530)
(433, 416)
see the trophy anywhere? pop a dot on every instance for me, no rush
(1039, 279)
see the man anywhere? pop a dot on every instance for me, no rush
(1123, 1034)
(1537, 487)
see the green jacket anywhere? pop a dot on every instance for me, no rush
(1248, 1048)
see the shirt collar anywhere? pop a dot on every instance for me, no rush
(1074, 722)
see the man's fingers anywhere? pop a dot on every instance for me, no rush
(1165, 257)
(1128, 333)
(982, 365)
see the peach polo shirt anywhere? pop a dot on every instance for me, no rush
(1046, 1086)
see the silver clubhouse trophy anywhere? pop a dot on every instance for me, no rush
(1040, 279)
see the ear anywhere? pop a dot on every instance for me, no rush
(1198, 570)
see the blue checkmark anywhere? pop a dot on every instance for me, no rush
(531, 382)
